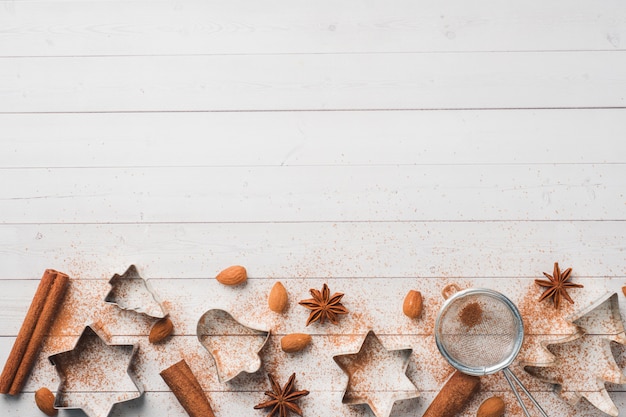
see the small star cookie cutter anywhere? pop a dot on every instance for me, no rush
(130, 291)
(365, 368)
(234, 346)
(90, 374)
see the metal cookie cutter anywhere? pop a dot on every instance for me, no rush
(368, 367)
(130, 291)
(234, 347)
(95, 375)
(583, 362)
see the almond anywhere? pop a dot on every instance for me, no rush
(413, 304)
(277, 300)
(233, 275)
(295, 342)
(45, 401)
(161, 330)
(491, 407)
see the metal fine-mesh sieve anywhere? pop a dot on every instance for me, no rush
(480, 332)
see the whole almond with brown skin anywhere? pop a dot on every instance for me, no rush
(491, 407)
(295, 342)
(161, 330)
(277, 300)
(413, 304)
(233, 275)
(45, 401)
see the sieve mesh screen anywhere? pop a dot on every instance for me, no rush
(478, 330)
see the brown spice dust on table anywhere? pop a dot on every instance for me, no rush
(471, 315)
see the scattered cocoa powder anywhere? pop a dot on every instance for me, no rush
(471, 315)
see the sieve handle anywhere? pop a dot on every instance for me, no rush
(510, 378)
(449, 290)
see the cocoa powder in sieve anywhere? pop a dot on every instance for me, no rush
(471, 315)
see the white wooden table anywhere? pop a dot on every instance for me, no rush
(374, 146)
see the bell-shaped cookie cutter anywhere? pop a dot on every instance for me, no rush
(234, 346)
(130, 291)
(91, 388)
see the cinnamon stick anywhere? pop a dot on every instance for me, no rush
(38, 321)
(28, 326)
(50, 308)
(454, 395)
(187, 390)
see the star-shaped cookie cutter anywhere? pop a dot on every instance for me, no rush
(89, 380)
(234, 346)
(365, 368)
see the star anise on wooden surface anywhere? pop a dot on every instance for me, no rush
(557, 285)
(282, 400)
(324, 306)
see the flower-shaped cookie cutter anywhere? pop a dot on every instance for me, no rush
(90, 374)
(130, 291)
(234, 346)
(367, 367)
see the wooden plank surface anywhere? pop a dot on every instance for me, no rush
(105, 27)
(355, 193)
(288, 250)
(313, 82)
(313, 138)
(372, 146)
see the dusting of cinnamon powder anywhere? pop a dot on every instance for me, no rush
(471, 315)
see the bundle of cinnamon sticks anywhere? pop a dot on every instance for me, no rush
(39, 319)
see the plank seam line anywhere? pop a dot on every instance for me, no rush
(313, 110)
(339, 278)
(318, 53)
(269, 222)
(118, 337)
(346, 165)
(433, 391)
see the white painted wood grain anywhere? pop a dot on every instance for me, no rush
(318, 82)
(313, 138)
(308, 193)
(279, 26)
(298, 250)
(145, 132)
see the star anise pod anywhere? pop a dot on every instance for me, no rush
(557, 285)
(282, 400)
(324, 306)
